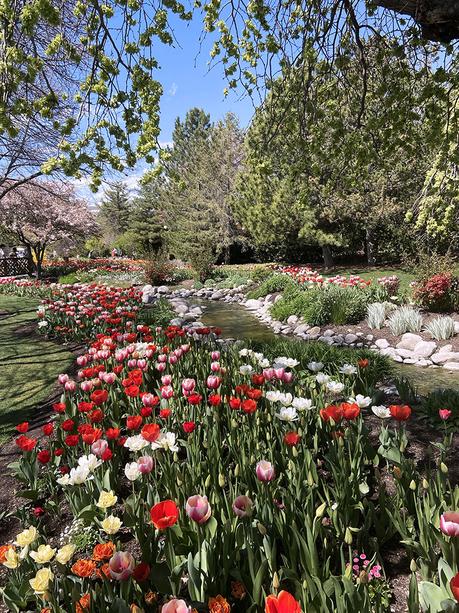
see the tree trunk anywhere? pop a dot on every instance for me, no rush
(439, 19)
(327, 256)
(371, 248)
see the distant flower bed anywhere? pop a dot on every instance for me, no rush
(306, 275)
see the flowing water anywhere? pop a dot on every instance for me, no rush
(237, 322)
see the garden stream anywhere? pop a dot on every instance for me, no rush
(236, 322)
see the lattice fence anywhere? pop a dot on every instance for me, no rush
(12, 267)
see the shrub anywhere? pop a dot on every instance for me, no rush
(158, 271)
(437, 292)
(376, 315)
(405, 319)
(273, 283)
(441, 328)
(330, 304)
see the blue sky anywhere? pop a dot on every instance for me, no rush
(187, 82)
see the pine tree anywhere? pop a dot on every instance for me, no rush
(115, 212)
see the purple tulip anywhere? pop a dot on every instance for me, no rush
(121, 565)
(242, 506)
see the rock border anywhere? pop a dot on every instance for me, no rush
(411, 349)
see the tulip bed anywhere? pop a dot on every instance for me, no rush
(203, 476)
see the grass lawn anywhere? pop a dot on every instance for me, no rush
(28, 365)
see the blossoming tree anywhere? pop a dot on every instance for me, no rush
(39, 214)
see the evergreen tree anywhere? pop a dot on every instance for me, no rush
(115, 212)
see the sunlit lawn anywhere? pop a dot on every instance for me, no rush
(28, 365)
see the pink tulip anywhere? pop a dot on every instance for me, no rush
(198, 508)
(70, 386)
(215, 366)
(86, 386)
(287, 377)
(166, 379)
(215, 355)
(444, 414)
(142, 364)
(268, 374)
(185, 348)
(148, 400)
(167, 392)
(161, 367)
(279, 373)
(149, 353)
(121, 565)
(145, 464)
(175, 606)
(109, 378)
(99, 447)
(213, 382)
(132, 363)
(188, 386)
(162, 358)
(242, 506)
(63, 379)
(173, 359)
(178, 352)
(265, 471)
(82, 360)
(449, 523)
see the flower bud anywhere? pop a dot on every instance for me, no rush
(413, 566)
(444, 468)
(221, 480)
(276, 581)
(261, 529)
(208, 481)
(425, 484)
(413, 485)
(348, 537)
(321, 510)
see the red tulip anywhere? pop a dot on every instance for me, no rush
(235, 403)
(164, 514)
(188, 426)
(249, 406)
(454, 585)
(150, 432)
(44, 456)
(48, 429)
(332, 412)
(23, 428)
(99, 397)
(133, 422)
(283, 603)
(112, 433)
(25, 443)
(400, 412)
(291, 438)
(350, 410)
(141, 572)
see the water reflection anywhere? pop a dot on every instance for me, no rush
(236, 322)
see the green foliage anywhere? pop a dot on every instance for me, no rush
(442, 399)
(97, 247)
(114, 212)
(272, 284)
(325, 305)
(158, 271)
(159, 313)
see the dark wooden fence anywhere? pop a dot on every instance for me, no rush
(12, 267)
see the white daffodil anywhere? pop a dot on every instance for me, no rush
(64, 480)
(381, 411)
(348, 369)
(287, 414)
(302, 404)
(284, 362)
(362, 401)
(322, 378)
(244, 352)
(315, 366)
(166, 441)
(335, 387)
(264, 363)
(135, 443)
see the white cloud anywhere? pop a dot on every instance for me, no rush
(173, 90)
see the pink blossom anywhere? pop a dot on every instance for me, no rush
(265, 471)
(444, 414)
(175, 606)
(242, 506)
(145, 464)
(198, 508)
(449, 523)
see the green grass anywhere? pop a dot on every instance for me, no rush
(28, 366)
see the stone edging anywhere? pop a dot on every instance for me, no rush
(411, 349)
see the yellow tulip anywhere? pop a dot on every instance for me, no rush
(11, 559)
(106, 499)
(40, 582)
(65, 553)
(44, 554)
(26, 537)
(111, 524)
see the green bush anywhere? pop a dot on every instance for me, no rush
(158, 314)
(442, 399)
(330, 304)
(274, 283)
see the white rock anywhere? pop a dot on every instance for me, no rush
(444, 356)
(409, 341)
(451, 366)
(314, 331)
(423, 363)
(292, 320)
(456, 327)
(382, 343)
(253, 305)
(390, 351)
(163, 289)
(445, 349)
(329, 333)
(301, 329)
(424, 349)
(369, 337)
(410, 361)
(405, 353)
